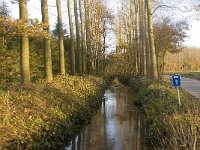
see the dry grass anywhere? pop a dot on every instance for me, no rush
(168, 126)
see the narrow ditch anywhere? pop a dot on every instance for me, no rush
(118, 125)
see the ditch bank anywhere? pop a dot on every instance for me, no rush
(46, 116)
(168, 126)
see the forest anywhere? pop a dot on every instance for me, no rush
(52, 77)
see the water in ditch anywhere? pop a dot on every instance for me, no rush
(118, 125)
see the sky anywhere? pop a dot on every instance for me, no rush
(34, 12)
(182, 12)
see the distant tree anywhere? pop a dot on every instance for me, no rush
(4, 9)
(4, 13)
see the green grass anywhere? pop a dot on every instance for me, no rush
(168, 126)
(46, 116)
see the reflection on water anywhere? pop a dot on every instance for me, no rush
(116, 126)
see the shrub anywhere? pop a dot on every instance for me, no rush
(46, 116)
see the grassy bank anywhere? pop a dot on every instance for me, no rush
(168, 126)
(46, 116)
(192, 75)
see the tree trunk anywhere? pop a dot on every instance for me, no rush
(99, 47)
(47, 43)
(151, 41)
(143, 14)
(79, 59)
(24, 45)
(60, 39)
(88, 35)
(104, 46)
(148, 62)
(82, 38)
(73, 64)
(136, 37)
(141, 41)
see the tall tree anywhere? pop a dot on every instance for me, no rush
(147, 51)
(143, 39)
(137, 54)
(60, 39)
(82, 37)
(24, 45)
(87, 4)
(154, 72)
(79, 58)
(47, 43)
(73, 65)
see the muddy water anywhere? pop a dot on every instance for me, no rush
(116, 126)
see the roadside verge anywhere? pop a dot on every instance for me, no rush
(167, 125)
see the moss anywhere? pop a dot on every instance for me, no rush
(46, 116)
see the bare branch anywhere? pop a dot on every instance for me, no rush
(161, 6)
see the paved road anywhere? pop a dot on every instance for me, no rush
(190, 85)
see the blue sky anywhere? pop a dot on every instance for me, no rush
(34, 12)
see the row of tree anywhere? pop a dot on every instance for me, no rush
(185, 61)
(141, 45)
(136, 36)
(147, 42)
(87, 39)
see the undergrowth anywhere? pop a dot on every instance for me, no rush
(46, 116)
(168, 127)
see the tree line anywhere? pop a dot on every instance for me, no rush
(88, 20)
(181, 62)
(142, 41)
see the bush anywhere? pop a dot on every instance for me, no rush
(46, 116)
(168, 126)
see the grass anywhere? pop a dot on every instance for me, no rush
(46, 116)
(192, 75)
(168, 126)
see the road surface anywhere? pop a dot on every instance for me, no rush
(190, 85)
